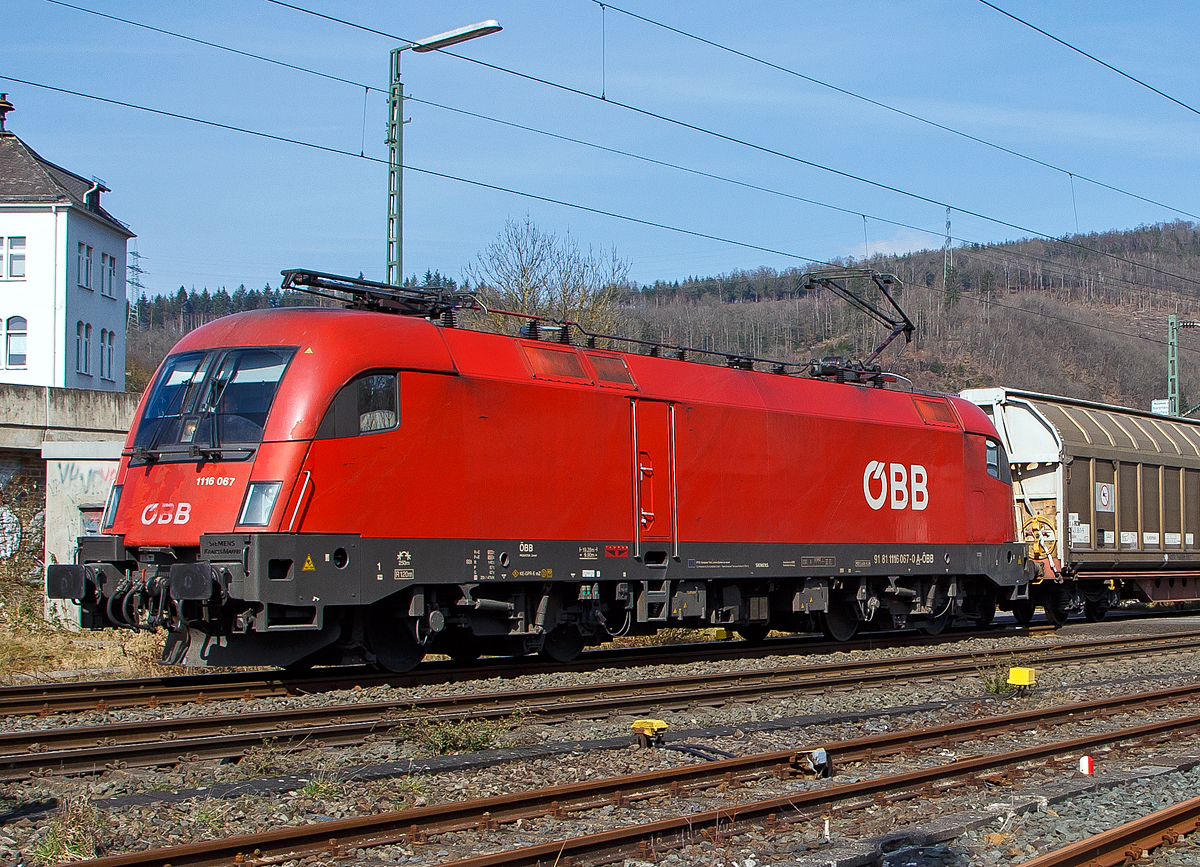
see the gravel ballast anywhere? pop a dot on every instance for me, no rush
(132, 809)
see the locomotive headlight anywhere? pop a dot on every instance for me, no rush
(110, 508)
(259, 503)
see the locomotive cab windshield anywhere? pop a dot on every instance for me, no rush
(211, 404)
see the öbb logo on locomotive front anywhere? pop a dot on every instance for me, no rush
(908, 486)
(166, 513)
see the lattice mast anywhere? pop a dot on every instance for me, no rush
(134, 289)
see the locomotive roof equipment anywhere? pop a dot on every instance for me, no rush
(440, 303)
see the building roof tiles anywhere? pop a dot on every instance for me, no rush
(27, 178)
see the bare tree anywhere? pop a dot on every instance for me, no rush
(526, 270)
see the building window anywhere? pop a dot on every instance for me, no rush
(79, 347)
(107, 339)
(108, 275)
(87, 349)
(12, 258)
(16, 332)
(85, 266)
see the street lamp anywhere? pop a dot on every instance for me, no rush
(395, 139)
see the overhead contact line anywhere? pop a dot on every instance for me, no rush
(887, 107)
(550, 200)
(1093, 57)
(748, 144)
(652, 160)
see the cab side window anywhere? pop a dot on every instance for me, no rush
(367, 404)
(997, 463)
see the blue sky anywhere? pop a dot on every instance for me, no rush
(216, 208)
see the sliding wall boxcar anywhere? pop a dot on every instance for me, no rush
(1104, 493)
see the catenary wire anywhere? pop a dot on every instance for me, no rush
(208, 44)
(512, 124)
(547, 133)
(1061, 271)
(477, 115)
(1078, 50)
(546, 199)
(651, 21)
(496, 187)
(879, 104)
(1055, 317)
(748, 144)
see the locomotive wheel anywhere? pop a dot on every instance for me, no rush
(987, 611)
(1023, 612)
(839, 622)
(564, 643)
(1095, 611)
(391, 640)
(938, 624)
(754, 633)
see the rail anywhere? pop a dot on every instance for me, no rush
(1129, 842)
(45, 699)
(174, 740)
(416, 825)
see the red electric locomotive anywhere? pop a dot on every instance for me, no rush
(309, 485)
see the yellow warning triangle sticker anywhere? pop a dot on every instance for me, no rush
(308, 564)
(308, 351)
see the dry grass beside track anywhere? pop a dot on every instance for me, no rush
(33, 650)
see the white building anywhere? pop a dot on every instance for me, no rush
(62, 274)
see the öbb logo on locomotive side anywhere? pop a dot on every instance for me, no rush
(908, 486)
(166, 513)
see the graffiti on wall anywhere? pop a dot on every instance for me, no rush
(85, 478)
(75, 495)
(22, 519)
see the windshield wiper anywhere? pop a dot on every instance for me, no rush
(143, 453)
(217, 453)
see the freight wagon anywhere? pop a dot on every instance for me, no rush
(1107, 497)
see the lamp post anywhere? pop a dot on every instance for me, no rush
(395, 138)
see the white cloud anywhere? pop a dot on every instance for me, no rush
(904, 241)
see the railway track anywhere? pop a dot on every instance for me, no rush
(90, 749)
(416, 826)
(46, 699)
(1129, 842)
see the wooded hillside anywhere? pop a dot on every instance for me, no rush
(1072, 317)
(1084, 316)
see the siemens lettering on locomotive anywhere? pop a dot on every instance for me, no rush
(375, 482)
